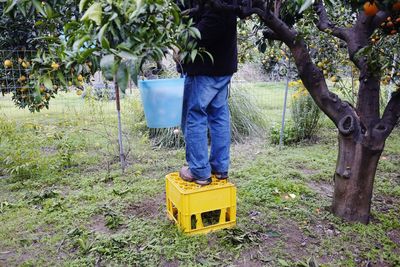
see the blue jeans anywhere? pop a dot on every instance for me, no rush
(205, 106)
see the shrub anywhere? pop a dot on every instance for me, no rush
(18, 156)
(305, 116)
(305, 113)
(166, 138)
(246, 120)
(289, 133)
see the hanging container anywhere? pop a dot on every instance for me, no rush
(162, 101)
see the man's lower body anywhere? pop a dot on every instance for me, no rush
(205, 107)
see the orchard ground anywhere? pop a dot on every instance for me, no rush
(66, 202)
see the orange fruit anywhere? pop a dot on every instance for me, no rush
(370, 8)
(25, 64)
(8, 63)
(22, 79)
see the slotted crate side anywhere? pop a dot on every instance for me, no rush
(187, 204)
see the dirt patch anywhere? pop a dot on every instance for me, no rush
(390, 157)
(295, 240)
(98, 225)
(385, 204)
(251, 257)
(306, 170)
(245, 152)
(321, 188)
(151, 207)
(31, 247)
(394, 235)
(48, 150)
(284, 239)
(169, 263)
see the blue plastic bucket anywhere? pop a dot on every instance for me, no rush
(162, 101)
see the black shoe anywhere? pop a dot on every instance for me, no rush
(220, 175)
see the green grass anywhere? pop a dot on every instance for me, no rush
(270, 98)
(67, 203)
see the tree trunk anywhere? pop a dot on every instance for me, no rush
(354, 178)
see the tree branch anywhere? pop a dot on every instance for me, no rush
(324, 24)
(277, 7)
(390, 117)
(271, 35)
(330, 103)
(369, 91)
(312, 77)
(280, 28)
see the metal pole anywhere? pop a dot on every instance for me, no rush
(284, 106)
(389, 90)
(121, 148)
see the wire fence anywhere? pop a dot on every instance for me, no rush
(267, 90)
(15, 70)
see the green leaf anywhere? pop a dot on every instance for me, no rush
(102, 39)
(82, 5)
(105, 43)
(107, 66)
(127, 55)
(176, 16)
(193, 55)
(133, 69)
(122, 77)
(94, 13)
(60, 77)
(10, 6)
(78, 43)
(38, 6)
(306, 5)
(85, 54)
(47, 82)
(283, 263)
(49, 11)
(195, 32)
(210, 56)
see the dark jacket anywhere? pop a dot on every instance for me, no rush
(219, 38)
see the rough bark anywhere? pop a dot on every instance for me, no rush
(357, 162)
(354, 185)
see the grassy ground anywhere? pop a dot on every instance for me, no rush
(64, 201)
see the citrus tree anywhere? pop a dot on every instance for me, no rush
(362, 129)
(79, 38)
(73, 39)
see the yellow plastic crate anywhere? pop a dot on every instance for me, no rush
(200, 209)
